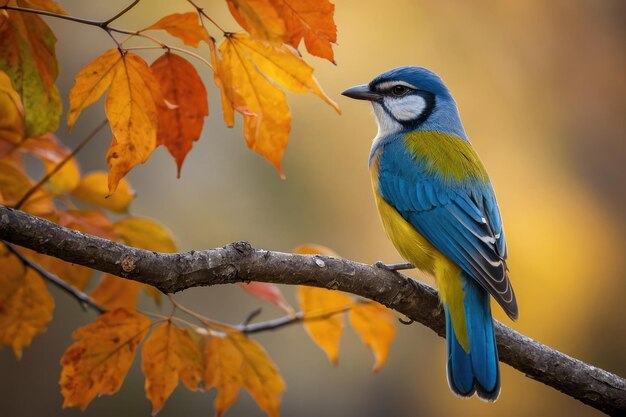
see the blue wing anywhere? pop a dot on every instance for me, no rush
(460, 218)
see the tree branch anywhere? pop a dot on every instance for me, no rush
(239, 262)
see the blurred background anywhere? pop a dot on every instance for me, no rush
(541, 88)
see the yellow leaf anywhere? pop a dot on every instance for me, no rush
(315, 302)
(91, 82)
(236, 361)
(267, 120)
(168, 354)
(113, 292)
(14, 184)
(25, 304)
(181, 85)
(98, 361)
(93, 189)
(12, 127)
(325, 332)
(283, 65)
(312, 20)
(376, 325)
(145, 234)
(27, 55)
(228, 111)
(259, 18)
(185, 26)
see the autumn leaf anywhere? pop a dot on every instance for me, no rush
(25, 304)
(236, 361)
(113, 292)
(12, 128)
(14, 184)
(267, 120)
(245, 67)
(312, 20)
(91, 221)
(325, 332)
(181, 124)
(259, 18)
(145, 234)
(27, 55)
(268, 292)
(169, 354)
(93, 189)
(52, 152)
(282, 65)
(184, 26)
(228, 112)
(376, 326)
(91, 82)
(98, 361)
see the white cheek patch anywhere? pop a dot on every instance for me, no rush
(406, 108)
(386, 124)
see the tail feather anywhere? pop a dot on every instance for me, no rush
(476, 370)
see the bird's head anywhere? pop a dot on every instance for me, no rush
(403, 98)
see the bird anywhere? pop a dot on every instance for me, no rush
(438, 207)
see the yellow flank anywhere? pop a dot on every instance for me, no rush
(416, 249)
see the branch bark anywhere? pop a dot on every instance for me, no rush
(240, 262)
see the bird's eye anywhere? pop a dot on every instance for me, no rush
(399, 90)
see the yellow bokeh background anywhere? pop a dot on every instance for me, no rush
(541, 88)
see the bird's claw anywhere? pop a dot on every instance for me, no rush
(406, 321)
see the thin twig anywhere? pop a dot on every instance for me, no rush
(60, 165)
(120, 14)
(82, 298)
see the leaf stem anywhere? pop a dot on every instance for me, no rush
(121, 13)
(82, 298)
(60, 165)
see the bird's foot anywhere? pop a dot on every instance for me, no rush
(406, 321)
(394, 267)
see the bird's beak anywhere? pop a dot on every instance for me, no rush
(361, 92)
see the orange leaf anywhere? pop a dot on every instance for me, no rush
(325, 332)
(268, 292)
(181, 85)
(93, 189)
(91, 82)
(76, 275)
(375, 324)
(267, 120)
(236, 361)
(313, 20)
(259, 18)
(131, 108)
(145, 234)
(313, 249)
(25, 304)
(93, 222)
(14, 184)
(12, 115)
(168, 354)
(185, 26)
(99, 360)
(114, 292)
(27, 55)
